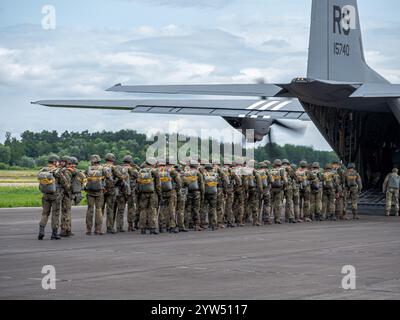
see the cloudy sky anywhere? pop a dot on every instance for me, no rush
(97, 43)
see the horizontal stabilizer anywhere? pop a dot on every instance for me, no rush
(377, 90)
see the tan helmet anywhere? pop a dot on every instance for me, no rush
(110, 157)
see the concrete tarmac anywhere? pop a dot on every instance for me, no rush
(299, 261)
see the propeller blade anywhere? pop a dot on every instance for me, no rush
(293, 128)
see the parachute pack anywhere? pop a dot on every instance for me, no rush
(95, 178)
(191, 179)
(47, 181)
(146, 181)
(166, 181)
(211, 182)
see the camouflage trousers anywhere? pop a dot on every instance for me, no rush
(148, 210)
(315, 203)
(289, 206)
(276, 203)
(220, 206)
(252, 206)
(110, 208)
(238, 206)
(229, 198)
(182, 219)
(328, 203)
(50, 205)
(167, 217)
(122, 202)
(193, 205)
(392, 197)
(66, 212)
(353, 195)
(296, 204)
(94, 203)
(265, 206)
(304, 204)
(339, 205)
(210, 210)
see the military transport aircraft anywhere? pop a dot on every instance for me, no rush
(354, 108)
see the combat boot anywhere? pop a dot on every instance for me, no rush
(41, 233)
(278, 221)
(161, 230)
(387, 213)
(130, 227)
(69, 233)
(120, 230)
(88, 232)
(54, 235)
(299, 221)
(198, 228)
(308, 220)
(63, 233)
(143, 231)
(221, 226)
(333, 217)
(292, 221)
(355, 215)
(153, 231)
(110, 231)
(183, 230)
(174, 230)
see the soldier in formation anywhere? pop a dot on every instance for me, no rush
(159, 197)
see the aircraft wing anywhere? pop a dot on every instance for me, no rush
(377, 90)
(255, 109)
(251, 90)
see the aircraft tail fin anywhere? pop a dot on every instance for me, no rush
(336, 50)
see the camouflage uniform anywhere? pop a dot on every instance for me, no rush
(149, 194)
(181, 192)
(239, 196)
(254, 189)
(51, 200)
(110, 196)
(66, 204)
(193, 181)
(211, 177)
(353, 188)
(340, 197)
(232, 180)
(314, 177)
(96, 177)
(278, 178)
(391, 188)
(296, 195)
(265, 198)
(125, 197)
(170, 183)
(221, 196)
(303, 207)
(330, 186)
(288, 192)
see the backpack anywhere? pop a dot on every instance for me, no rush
(191, 179)
(47, 181)
(211, 182)
(166, 180)
(315, 183)
(264, 178)
(145, 181)
(351, 179)
(250, 178)
(95, 178)
(78, 181)
(301, 176)
(125, 185)
(276, 176)
(328, 180)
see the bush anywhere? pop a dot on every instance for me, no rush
(4, 166)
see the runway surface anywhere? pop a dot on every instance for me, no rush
(301, 261)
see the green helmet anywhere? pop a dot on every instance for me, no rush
(127, 159)
(263, 165)
(303, 163)
(74, 160)
(351, 166)
(208, 166)
(316, 165)
(277, 162)
(267, 162)
(65, 159)
(95, 158)
(294, 166)
(110, 157)
(328, 166)
(53, 158)
(286, 161)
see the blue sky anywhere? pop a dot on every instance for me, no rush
(99, 43)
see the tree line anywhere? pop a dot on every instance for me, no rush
(32, 149)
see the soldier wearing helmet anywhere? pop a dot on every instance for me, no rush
(330, 187)
(149, 196)
(315, 180)
(49, 182)
(341, 195)
(126, 195)
(265, 198)
(253, 189)
(278, 178)
(302, 207)
(232, 180)
(353, 186)
(96, 180)
(111, 191)
(193, 182)
(170, 185)
(391, 187)
(288, 191)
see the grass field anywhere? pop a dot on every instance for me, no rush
(20, 189)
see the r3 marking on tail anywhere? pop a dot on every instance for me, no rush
(344, 19)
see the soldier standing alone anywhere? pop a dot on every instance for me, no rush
(391, 187)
